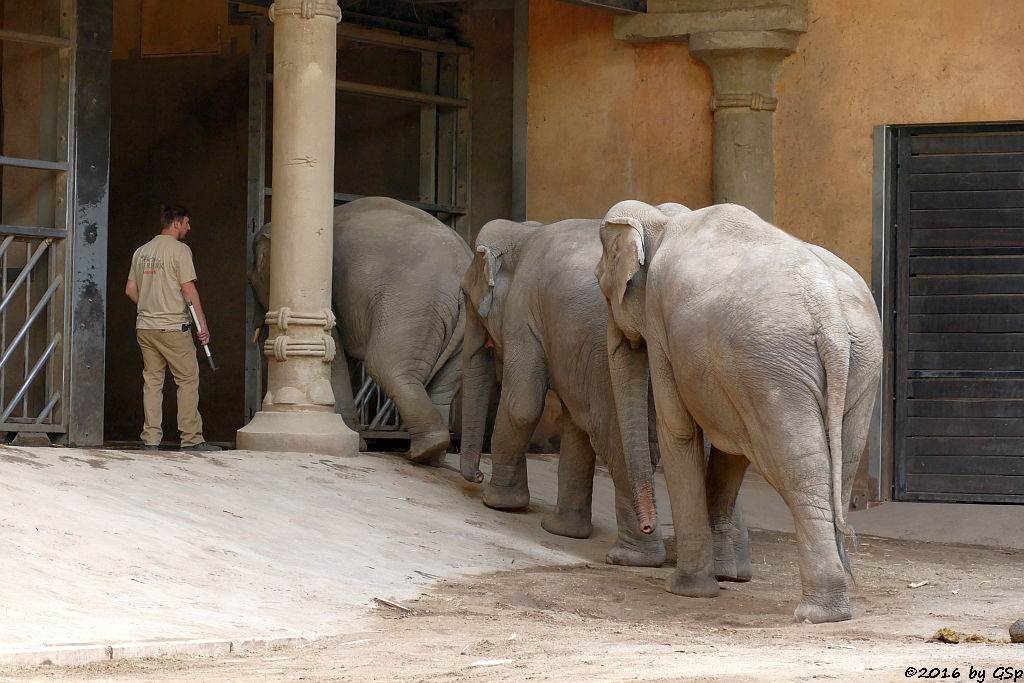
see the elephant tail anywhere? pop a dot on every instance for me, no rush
(832, 339)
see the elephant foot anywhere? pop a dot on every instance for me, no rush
(692, 585)
(816, 614)
(436, 460)
(626, 554)
(730, 571)
(730, 564)
(429, 448)
(569, 524)
(514, 497)
(732, 553)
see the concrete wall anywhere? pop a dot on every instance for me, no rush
(868, 62)
(609, 121)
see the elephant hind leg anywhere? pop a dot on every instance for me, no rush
(806, 486)
(728, 531)
(571, 516)
(428, 433)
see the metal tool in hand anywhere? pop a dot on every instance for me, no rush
(199, 330)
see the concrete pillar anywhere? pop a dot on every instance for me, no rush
(298, 409)
(743, 67)
(743, 42)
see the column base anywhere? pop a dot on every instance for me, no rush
(299, 431)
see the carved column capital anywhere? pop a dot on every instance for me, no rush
(306, 9)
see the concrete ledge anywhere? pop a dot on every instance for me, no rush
(77, 655)
(55, 656)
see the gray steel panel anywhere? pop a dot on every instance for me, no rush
(88, 296)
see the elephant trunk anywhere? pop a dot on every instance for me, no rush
(478, 381)
(628, 368)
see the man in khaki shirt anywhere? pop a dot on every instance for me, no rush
(161, 282)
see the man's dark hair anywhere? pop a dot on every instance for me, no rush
(172, 212)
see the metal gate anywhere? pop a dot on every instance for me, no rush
(443, 100)
(36, 181)
(959, 305)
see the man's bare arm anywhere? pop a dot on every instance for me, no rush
(132, 290)
(188, 289)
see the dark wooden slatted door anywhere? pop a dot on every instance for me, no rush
(959, 427)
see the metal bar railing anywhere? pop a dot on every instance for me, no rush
(383, 414)
(26, 271)
(49, 407)
(3, 249)
(12, 347)
(3, 316)
(30, 377)
(28, 331)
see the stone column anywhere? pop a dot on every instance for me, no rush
(298, 409)
(743, 42)
(743, 66)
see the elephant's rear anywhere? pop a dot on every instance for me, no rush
(397, 264)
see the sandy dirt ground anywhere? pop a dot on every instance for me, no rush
(600, 623)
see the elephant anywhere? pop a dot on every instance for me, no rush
(397, 298)
(532, 297)
(768, 346)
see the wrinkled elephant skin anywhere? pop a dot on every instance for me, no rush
(766, 345)
(398, 304)
(534, 305)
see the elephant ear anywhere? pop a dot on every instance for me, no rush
(490, 267)
(623, 241)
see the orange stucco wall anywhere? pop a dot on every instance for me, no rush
(864, 63)
(609, 121)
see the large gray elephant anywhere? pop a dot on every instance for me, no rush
(534, 306)
(768, 346)
(532, 296)
(397, 297)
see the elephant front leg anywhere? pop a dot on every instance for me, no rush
(571, 516)
(523, 387)
(728, 530)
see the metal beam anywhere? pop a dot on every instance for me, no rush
(88, 291)
(520, 85)
(37, 164)
(33, 39)
(26, 231)
(379, 91)
(341, 198)
(369, 36)
(256, 180)
(614, 6)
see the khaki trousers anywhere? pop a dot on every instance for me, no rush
(175, 350)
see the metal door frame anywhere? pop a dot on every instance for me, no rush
(46, 248)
